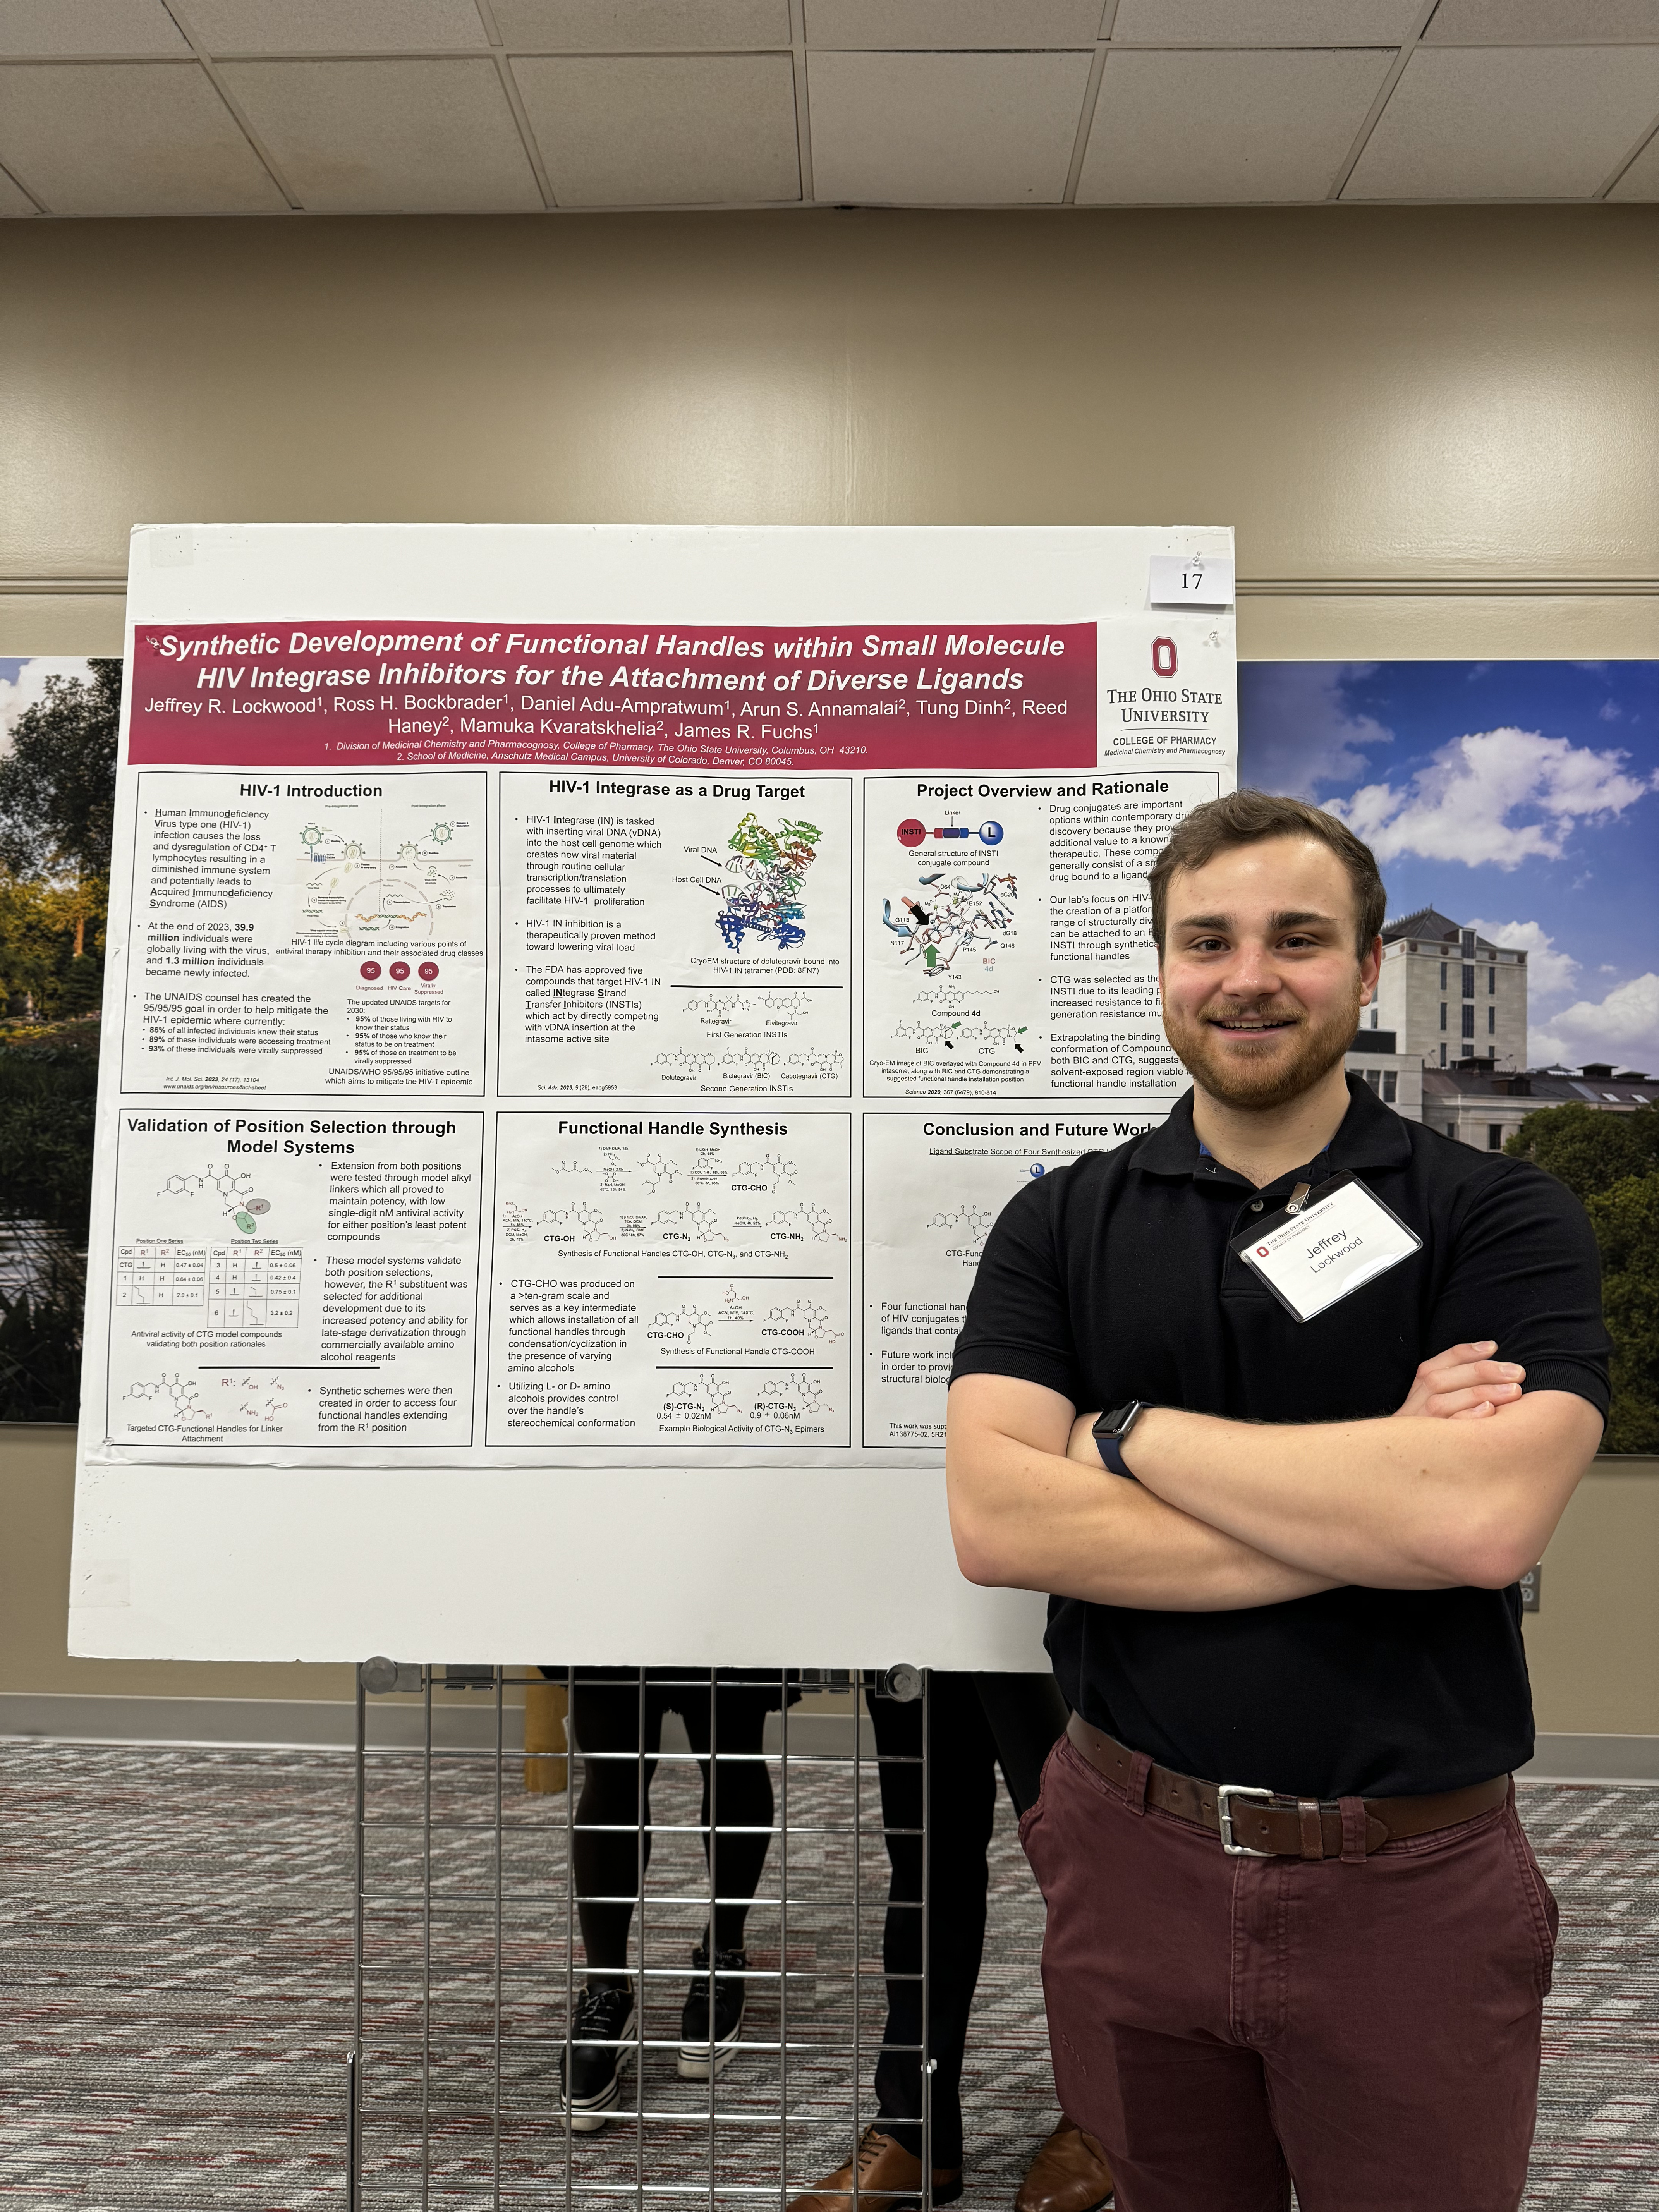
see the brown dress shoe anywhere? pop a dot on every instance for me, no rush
(889, 2178)
(1068, 2174)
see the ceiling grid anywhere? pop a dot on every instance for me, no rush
(134, 108)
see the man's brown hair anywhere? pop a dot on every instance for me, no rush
(1250, 817)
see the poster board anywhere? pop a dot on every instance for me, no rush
(577, 998)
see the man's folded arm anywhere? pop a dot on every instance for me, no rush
(1025, 1517)
(1408, 1503)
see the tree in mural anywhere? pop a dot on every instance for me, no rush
(1611, 1161)
(57, 795)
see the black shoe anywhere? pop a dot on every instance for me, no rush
(597, 2052)
(729, 1996)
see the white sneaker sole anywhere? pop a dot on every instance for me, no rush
(694, 2059)
(589, 2114)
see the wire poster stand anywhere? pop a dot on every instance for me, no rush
(468, 1962)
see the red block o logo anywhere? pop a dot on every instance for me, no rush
(1164, 656)
(1260, 1251)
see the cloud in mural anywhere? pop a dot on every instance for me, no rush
(1623, 1027)
(1503, 796)
(1550, 970)
(1303, 731)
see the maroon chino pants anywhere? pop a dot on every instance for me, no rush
(1370, 2027)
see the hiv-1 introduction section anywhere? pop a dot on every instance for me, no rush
(296, 933)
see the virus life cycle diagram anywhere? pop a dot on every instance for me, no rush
(383, 885)
(700, 1267)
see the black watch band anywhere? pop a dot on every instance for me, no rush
(1109, 1431)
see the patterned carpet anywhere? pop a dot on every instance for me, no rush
(176, 1939)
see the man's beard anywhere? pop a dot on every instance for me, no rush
(1261, 1084)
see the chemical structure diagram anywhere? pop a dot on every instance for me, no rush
(815, 1066)
(770, 867)
(798, 1393)
(809, 1223)
(774, 1005)
(232, 1187)
(659, 1172)
(258, 1399)
(516, 1222)
(686, 1324)
(974, 1038)
(950, 919)
(172, 1394)
(575, 1223)
(385, 896)
(806, 1318)
(969, 1226)
(691, 1223)
(699, 1394)
(772, 1171)
(689, 1067)
(747, 1063)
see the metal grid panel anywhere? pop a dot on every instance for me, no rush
(469, 1960)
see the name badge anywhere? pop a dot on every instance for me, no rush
(1343, 1238)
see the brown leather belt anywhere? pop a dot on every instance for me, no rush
(1261, 1824)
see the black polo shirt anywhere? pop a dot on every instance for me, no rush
(1112, 1278)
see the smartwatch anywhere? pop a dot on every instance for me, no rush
(1110, 1430)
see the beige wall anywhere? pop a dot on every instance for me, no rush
(1436, 431)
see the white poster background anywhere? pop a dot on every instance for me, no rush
(534, 1200)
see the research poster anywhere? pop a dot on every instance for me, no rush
(578, 998)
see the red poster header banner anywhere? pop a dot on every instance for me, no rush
(405, 695)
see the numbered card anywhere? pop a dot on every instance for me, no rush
(1196, 579)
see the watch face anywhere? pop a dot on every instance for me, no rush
(1112, 1424)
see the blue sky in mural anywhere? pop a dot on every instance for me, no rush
(1522, 796)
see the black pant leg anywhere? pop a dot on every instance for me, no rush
(612, 1845)
(962, 1805)
(737, 1797)
(1026, 1715)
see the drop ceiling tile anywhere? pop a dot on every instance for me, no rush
(382, 137)
(1559, 22)
(137, 138)
(12, 201)
(89, 26)
(1641, 180)
(936, 25)
(630, 26)
(1516, 123)
(1213, 129)
(662, 130)
(1263, 22)
(945, 130)
(334, 27)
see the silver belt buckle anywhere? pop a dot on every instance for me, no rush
(1224, 1815)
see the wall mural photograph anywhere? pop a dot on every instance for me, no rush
(1513, 805)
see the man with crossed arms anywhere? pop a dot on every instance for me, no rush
(1295, 1930)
